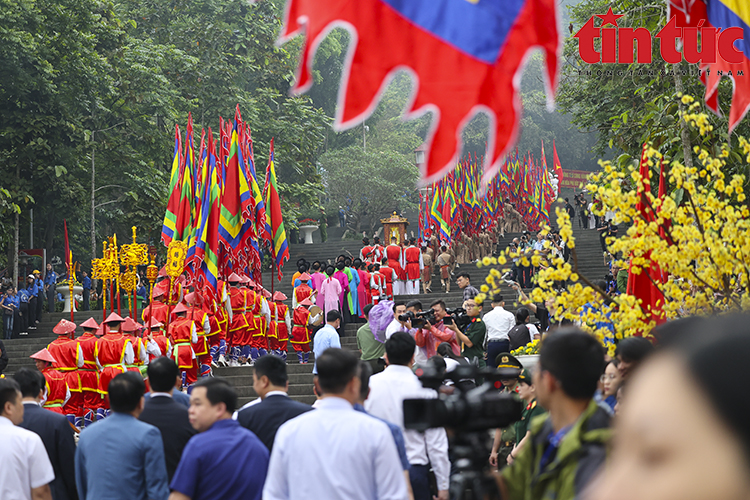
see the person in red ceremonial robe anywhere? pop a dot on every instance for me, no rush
(304, 290)
(112, 352)
(280, 326)
(261, 318)
(130, 330)
(395, 255)
(183, 333)
(203, 324)
(302, 320)
(56, 391)
(378, 251)
(157, 309)
(89, 372)
(219, 311)
(367, 254)
(158, 344)
(363, 290)
(377, 283)
(390, 277)
(245, 341)
(177, 287)
(69, 358)
(238, 322)
(413, 267)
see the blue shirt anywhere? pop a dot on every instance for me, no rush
(39, 287)
(86, 283)
(32, 289)
(121, 458)
(50, 278)
(227, 462)
(398, 437)
(325, 338)
(23, 295)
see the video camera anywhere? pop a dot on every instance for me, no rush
(468, 414)
(477, 409)
(457, 315)
(419, 319)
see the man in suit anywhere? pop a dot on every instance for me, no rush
(177, 395)
(166, 414)
(121, 457)
(55, 431)
(271, 382)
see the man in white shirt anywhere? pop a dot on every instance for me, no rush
(25, 469)
(399, 308)
(327, 337)
(388, 390)
(498, 322)
(341, 453)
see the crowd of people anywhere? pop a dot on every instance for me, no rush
(584, 416)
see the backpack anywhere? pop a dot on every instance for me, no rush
(519, 336)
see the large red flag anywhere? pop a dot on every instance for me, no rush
(556, 165)
(465, 56)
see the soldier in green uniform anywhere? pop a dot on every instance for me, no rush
(505, 438)
(527, 392)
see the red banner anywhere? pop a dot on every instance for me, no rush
(574, 179)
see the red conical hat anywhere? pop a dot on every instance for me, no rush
(234, 278)
(161, 288)
(155, 323)
(90, 323)
(305, 277)
(279, 297)
(251, 283)
(130, 325)
(64, 327)
(306, 302)
(114, 318)
(43, 355)
(245, 279)
(193, 298)
(266, 293)
(180, 308)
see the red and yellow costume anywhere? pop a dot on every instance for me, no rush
(394, 254)
(68, 359)
(113, 351)
(301, 329)
(56, 389)
(89, 374)
(182, 333)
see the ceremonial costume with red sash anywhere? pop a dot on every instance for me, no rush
(162, 342)
(367, 254)
(261, 317)
(378, 252)
(301, 293)
(183, 332)
(159, 312)
(413, 268)
(140, 357)
(377, 287)
(89, 375)
(57, 390)
(273, 329)
(253, 325)
(238, 326)
(69, 358)
(283, 322)
(301, 330)
(200, 348)
(113, 351)
(394, 254)
(388, 276)
(218, 318)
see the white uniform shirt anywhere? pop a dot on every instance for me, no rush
(341, 453)
(499, 322)
(24, 463)
(388, 390)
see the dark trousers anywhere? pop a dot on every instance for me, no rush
(51, 298)
(419, 476)
(494, 348)
(39, 301)
(32, 311)
(86, 295)
(8, 325)
(23, 324)
(525, 280)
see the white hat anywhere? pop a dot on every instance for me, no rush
(31, 276)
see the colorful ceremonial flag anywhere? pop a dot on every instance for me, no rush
(186, 208)
(279, 247)
(478, 46)
(721, 14)
(556, 165)
(235, 194)
(170, 217)
(206, 260)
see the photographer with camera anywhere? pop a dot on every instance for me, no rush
(401, 321)
(436, 330)
(565, 450)
(388, 390)
(473, 335)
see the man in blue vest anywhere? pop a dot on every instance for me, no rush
(50, 284)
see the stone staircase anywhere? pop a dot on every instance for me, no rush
(300, 376)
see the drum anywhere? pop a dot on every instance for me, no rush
(315, 310)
